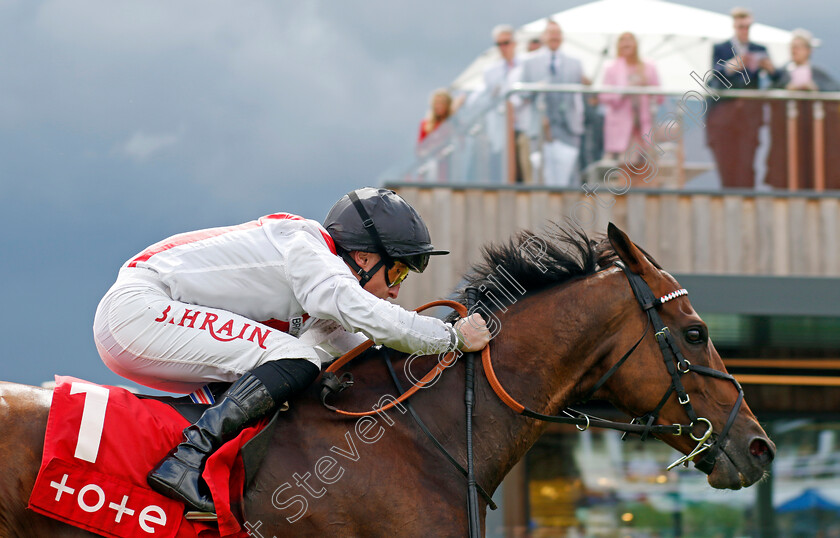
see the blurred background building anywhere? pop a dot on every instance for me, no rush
(758, 254)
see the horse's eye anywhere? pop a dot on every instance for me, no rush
(695, 335)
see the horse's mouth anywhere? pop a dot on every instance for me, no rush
(734, 470)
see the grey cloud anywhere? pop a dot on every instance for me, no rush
(122, 122)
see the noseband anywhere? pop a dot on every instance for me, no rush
(709, 443)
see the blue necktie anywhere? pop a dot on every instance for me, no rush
(551, 67)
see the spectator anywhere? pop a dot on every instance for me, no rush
(800, 75)
(562, 122)
(732, 131)
(592, 141)
(627, 117)
(498, 77)
(534, 43)
(437, 150)
(441, 107)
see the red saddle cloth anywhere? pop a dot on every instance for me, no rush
(100, 444)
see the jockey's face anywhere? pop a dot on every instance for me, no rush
(377, 285)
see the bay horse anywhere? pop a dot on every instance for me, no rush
(575, 327)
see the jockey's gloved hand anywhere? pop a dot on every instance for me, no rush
(472, 332)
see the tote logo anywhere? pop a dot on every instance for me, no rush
(91, 498)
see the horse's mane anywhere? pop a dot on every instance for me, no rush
(564, 254)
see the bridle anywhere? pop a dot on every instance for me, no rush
(708, 444)
(677, 365)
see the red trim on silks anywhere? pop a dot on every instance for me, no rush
(281, 216)
(330, 243)
(327, 237)
(280, 325)
(188, 237)
(200, 235)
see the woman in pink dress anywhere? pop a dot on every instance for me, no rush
(627, 117)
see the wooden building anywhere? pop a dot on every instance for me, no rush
(763, 269)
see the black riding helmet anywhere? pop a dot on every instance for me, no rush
(380, 221)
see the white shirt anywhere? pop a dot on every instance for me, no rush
(281, 266)
(498, 78)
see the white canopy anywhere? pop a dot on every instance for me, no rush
(677, 38)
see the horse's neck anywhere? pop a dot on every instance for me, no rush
(540, 357)
(545, 348)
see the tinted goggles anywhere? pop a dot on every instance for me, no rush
(416, 262)
(395, 274)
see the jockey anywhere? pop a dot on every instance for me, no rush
(262, 305)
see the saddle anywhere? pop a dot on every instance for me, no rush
(100, 444)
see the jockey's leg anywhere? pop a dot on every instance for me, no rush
(253, 396)
(146, 336)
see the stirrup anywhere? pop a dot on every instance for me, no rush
(193, 515)
(332, 384)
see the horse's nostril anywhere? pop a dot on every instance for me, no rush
(761, 450)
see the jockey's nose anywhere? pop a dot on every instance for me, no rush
(393, 292)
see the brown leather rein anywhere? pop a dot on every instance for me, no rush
(334, 384)
(448, 361)
(336, 365)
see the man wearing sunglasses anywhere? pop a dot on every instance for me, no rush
(262, 305)
(499, 76)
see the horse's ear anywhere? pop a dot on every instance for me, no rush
(633, 258)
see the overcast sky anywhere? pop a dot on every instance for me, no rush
(124, 122)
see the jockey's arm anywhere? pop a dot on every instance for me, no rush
(326, 288)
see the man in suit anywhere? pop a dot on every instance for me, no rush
(561, 112)
(498, 77)
(733, 124)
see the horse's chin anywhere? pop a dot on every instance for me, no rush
(729, 474)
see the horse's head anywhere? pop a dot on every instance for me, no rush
(676, 376)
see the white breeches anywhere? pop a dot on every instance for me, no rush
(144, 335)
(560, 160)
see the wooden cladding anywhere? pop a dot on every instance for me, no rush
(704, 233)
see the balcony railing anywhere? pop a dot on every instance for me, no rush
(686, 148)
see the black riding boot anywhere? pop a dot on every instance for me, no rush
(250, 398)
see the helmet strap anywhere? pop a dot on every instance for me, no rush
(367, 222)
(364, 276)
